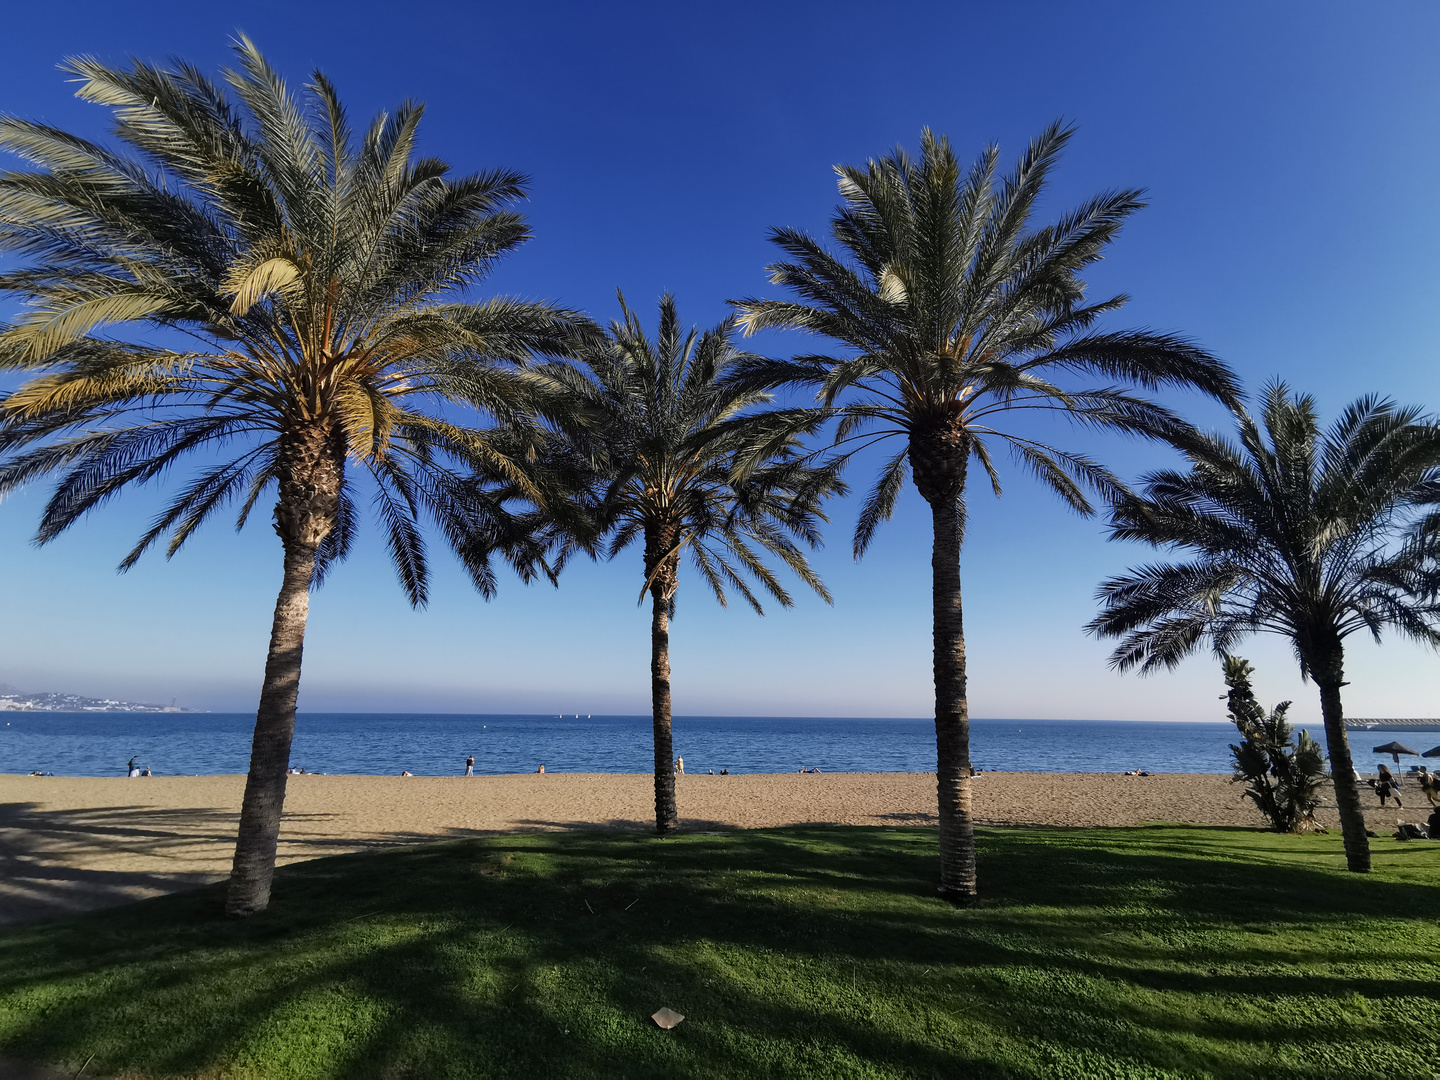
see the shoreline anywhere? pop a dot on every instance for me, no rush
(77, 843)
(6, 776)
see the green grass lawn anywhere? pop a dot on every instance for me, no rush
(1149, 952)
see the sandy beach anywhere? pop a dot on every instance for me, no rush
(69, 844)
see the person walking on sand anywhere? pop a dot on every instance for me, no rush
(679, 766)
(1386, 786)
(1428, 787)
(470, 765)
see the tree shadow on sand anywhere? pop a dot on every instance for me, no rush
(57, 862)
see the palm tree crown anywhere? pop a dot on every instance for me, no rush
(1308, 534)
(955, 312)
(952, 313)
(302, 273)
(688, 463)
(676, 441)
(306, 289)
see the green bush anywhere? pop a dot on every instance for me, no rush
(1283, 777)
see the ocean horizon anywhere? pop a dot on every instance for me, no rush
(437, 744)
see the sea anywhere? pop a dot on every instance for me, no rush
(100, 744)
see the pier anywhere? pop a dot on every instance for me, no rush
(1392, 724)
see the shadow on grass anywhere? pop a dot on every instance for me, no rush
(795, 952)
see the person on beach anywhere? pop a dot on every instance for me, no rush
(406, 772)
(133, 769)
(470, 765)
(679, 766)
(540, 771)
(1386, 786)
(1428, 787)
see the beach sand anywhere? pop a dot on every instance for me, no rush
(71, 844)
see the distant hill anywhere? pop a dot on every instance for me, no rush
(12, 700)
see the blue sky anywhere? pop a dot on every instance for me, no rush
(1289, 151)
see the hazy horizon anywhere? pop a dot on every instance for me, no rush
(626, 716)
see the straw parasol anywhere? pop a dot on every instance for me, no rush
(1395, 749)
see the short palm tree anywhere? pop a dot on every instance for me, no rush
(1308, 534)
(952, 313)
(282, 303)
(686, 462)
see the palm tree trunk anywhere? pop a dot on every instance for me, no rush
(939, 454)
(1330, 677)
(666, 815)
(310, 460)
(254, 866)
(952, 714)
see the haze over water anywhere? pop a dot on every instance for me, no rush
(99, 744)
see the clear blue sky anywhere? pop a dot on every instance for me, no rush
(1290, 151)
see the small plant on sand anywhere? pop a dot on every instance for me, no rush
(1284, 777)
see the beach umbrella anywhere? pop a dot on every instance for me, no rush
(1433, 752)
(1395, 749)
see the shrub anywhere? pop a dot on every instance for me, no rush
(1284, 777)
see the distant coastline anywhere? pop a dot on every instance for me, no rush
(12, 700)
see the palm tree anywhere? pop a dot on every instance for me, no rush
(305, 286)
(1311, 535)
(682, 460)
(952, 313)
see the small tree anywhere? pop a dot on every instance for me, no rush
(682, 457)
(1284, 778)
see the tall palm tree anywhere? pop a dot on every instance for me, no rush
(683, 460)
(306, 289)
(1308, 534)
(952, 313)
